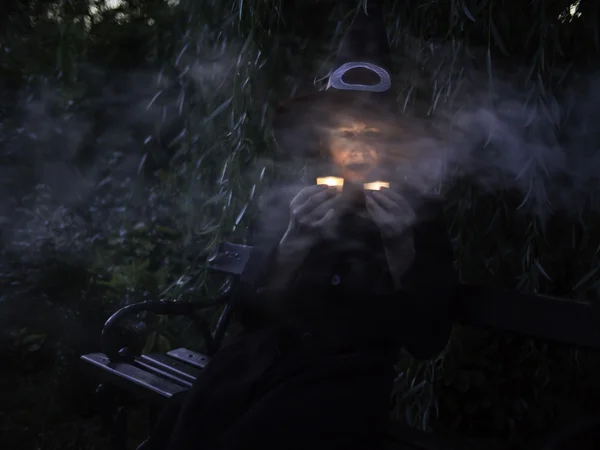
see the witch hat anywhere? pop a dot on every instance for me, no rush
(359, 82)
(363, 59)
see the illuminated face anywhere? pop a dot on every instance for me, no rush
(353, 149)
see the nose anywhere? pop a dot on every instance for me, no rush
(355, 148)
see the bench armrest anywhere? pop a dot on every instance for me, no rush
(188, 309)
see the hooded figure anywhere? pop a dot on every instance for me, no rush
(329, 299)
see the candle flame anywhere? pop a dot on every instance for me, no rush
(331, 181)
(339, 183)
(376, 185)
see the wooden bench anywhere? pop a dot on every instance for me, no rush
(155, 378)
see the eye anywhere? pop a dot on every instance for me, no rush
(347, 134)
(371, 134)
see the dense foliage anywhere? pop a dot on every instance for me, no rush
(134, 136)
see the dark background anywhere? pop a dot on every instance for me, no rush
(134, 136)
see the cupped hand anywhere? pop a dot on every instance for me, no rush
(311, 212)
(394, 217)
(392, 214)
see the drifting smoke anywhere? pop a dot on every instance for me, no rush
(502, 133)
(492, 129)
(74, 170)
(493, 134)
(496, 140)
(548, 152)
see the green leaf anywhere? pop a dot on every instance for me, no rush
(586, 278)
(222, 107)
(150, 342)
(34, 347)
(163, 344)
(467, 12)
(33, 337)
(498, 39)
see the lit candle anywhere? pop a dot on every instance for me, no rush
(331, 181)
(376, 185)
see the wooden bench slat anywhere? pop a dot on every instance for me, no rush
(128, 376)
(158, 377)
(173, 367)
(162, 372)
(189, 357)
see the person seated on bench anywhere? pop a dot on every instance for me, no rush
(353, 276)
(357, 275)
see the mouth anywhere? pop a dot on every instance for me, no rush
(358, 167)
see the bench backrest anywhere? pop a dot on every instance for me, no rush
(544, 317)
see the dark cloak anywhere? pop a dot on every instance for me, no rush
(318, 373)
